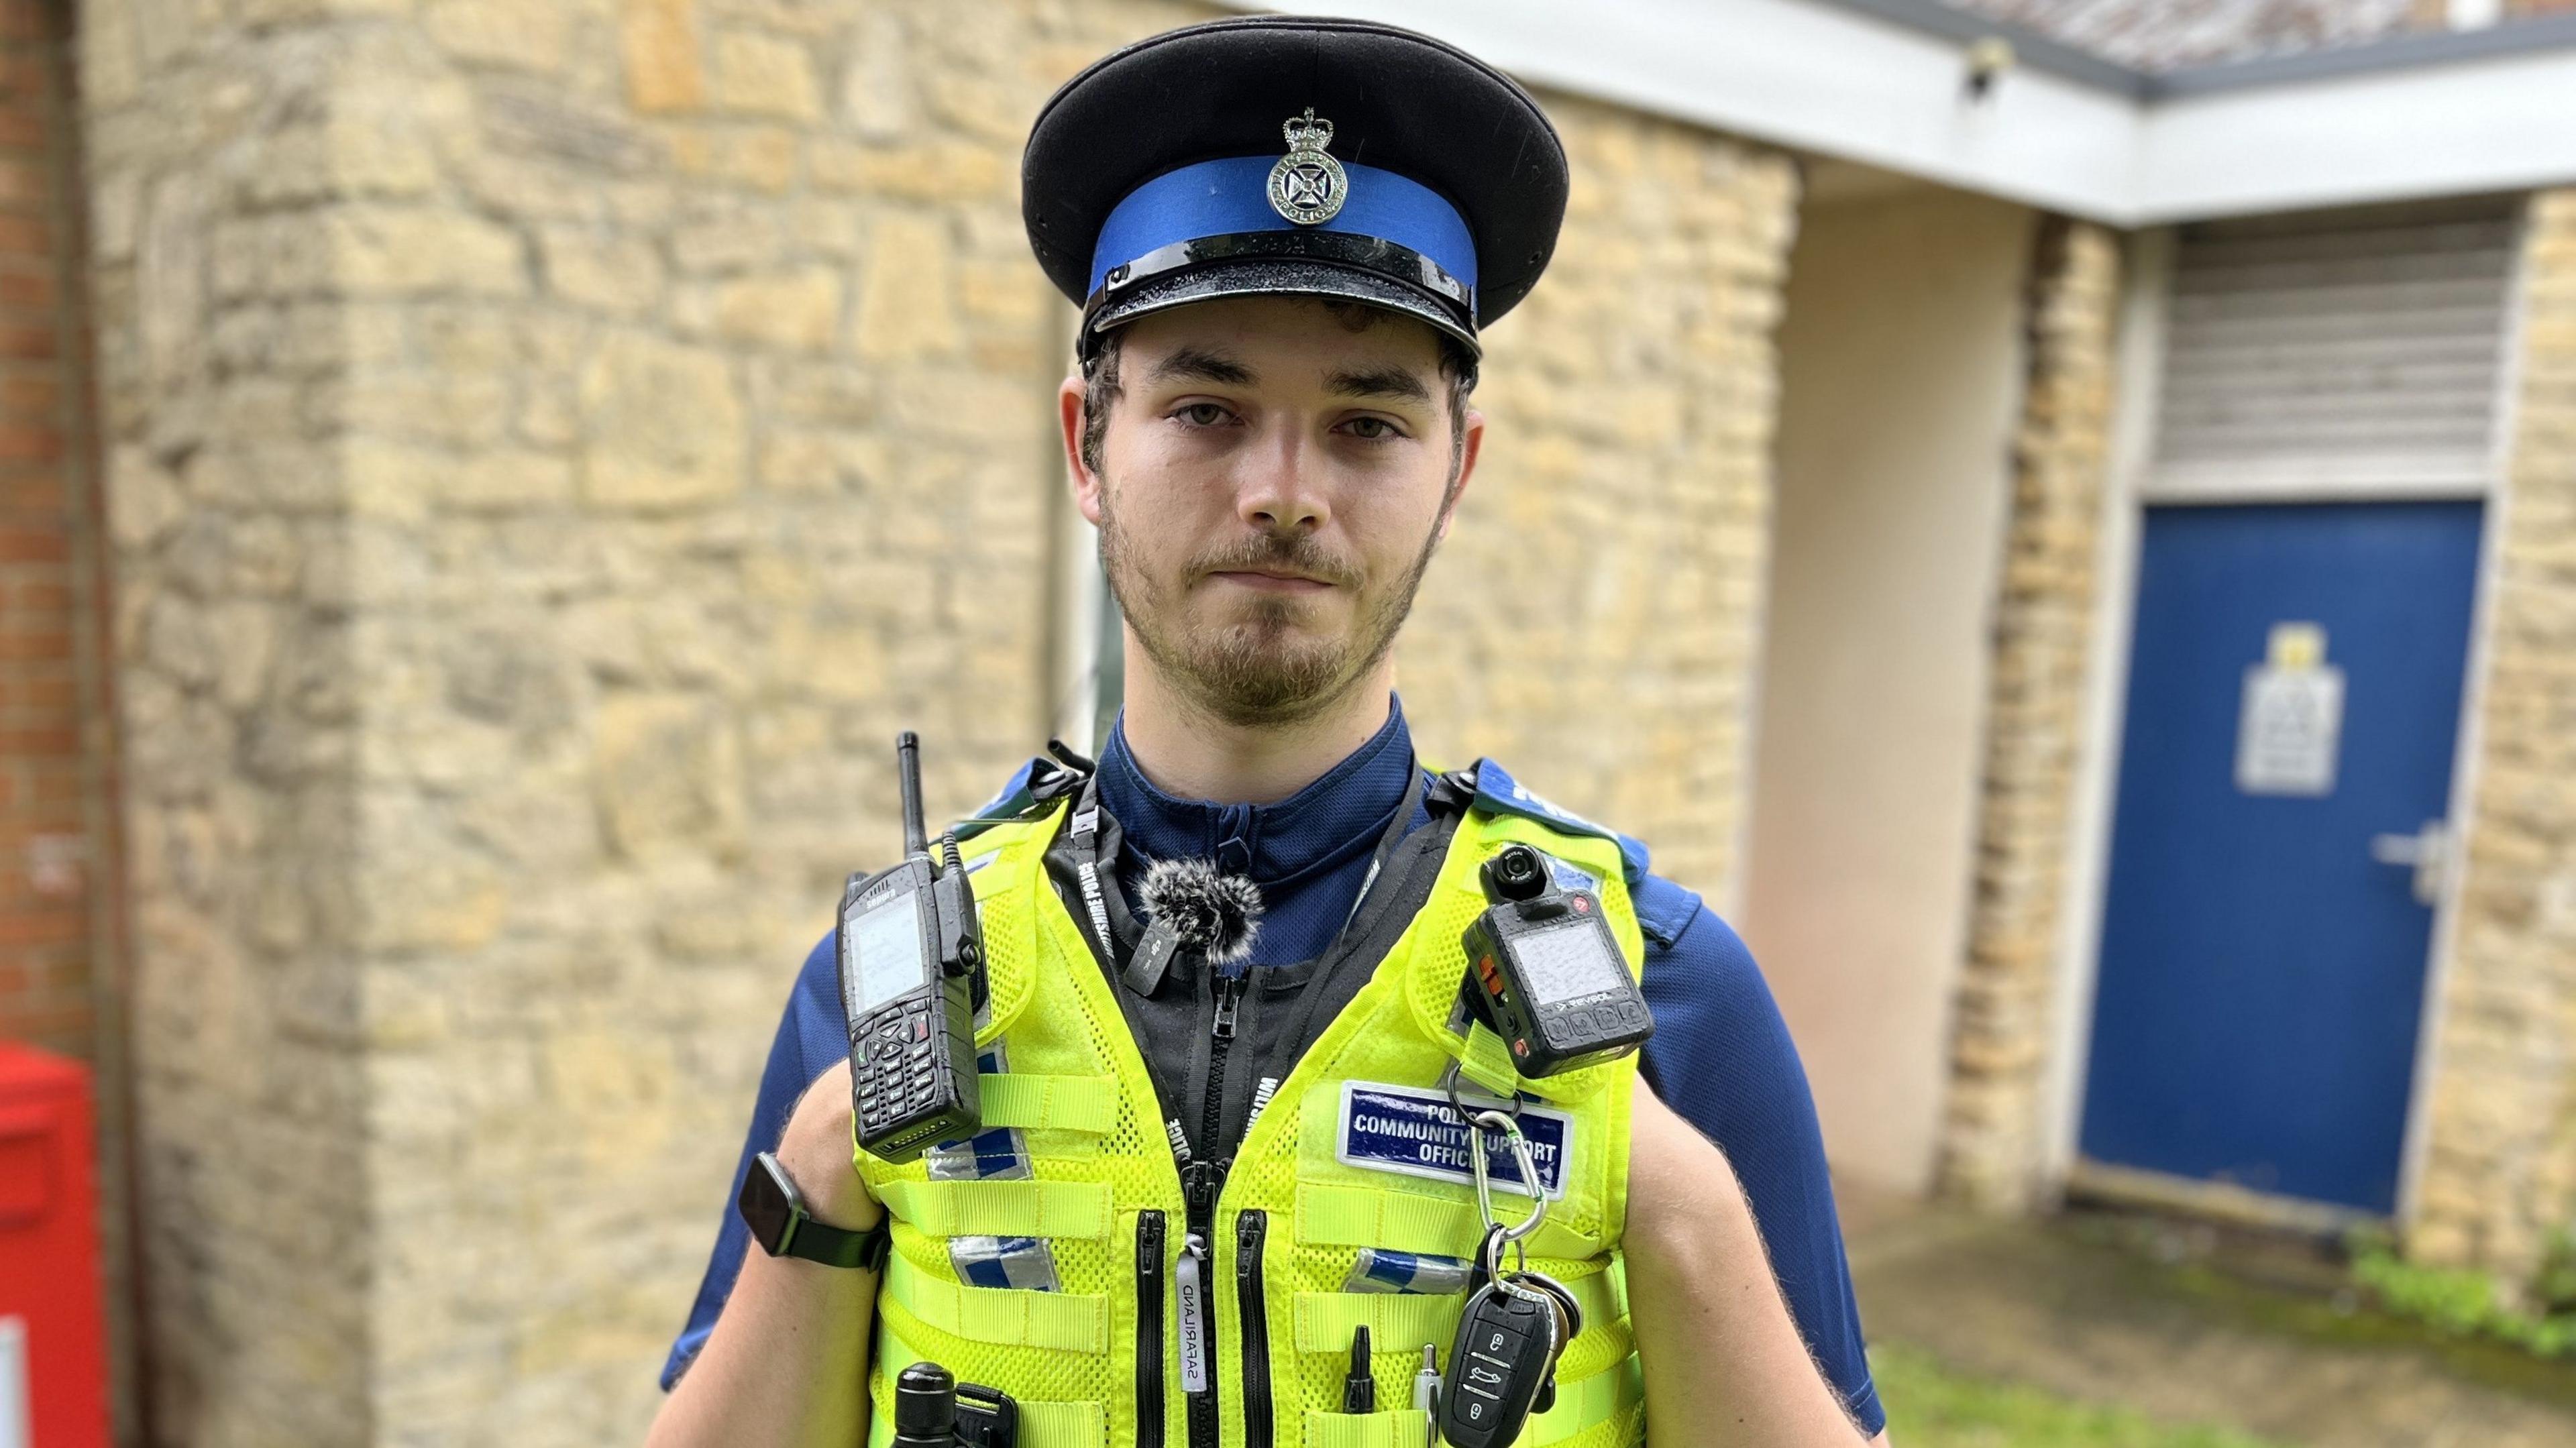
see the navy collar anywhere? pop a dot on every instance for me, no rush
(1341, 816)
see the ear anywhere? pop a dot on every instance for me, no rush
(1471, 445)
(1086, 483)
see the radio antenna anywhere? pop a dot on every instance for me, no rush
(907, 770)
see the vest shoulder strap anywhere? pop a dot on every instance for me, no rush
(1498, 793)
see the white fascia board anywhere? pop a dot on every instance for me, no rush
(2504, 123)
(1824, 77)
(1810, 76)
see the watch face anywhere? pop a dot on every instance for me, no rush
(766, 1207)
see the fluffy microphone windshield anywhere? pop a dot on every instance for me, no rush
(1216, 914)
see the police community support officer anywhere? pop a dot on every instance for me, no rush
(1284, 235)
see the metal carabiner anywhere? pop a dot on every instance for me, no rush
(1477, 1125)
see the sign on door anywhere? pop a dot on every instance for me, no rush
(2292, 717)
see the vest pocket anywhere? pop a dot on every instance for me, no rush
(996, 1208)
(1149, 1329)
(1070, 1423)
(1609, 1395)
(1063, 1425)
(996, 1316)
(1325, 1321)
(1400, 1428)
(1335, 1215)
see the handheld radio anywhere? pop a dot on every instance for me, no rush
(1545, 972)
(912, 968)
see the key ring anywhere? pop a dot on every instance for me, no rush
(1449, 1082)
(1477, 1125)
(1489, 1256)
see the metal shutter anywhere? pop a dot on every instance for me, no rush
(2357, 348)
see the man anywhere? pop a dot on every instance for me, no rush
(1285, 235)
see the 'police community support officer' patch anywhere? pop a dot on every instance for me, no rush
(1413, 1132)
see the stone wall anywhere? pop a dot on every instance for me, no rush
(2499, 1176)
(1593, 620)
(2043, 631)
(553, 445)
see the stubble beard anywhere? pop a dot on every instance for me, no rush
(1254, 670)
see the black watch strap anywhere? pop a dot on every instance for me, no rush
(834, 1247)
(774, 1210)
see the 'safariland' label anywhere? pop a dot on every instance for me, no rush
(1194, 1378)
(1412, 1131)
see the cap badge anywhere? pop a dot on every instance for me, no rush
(1307, 186)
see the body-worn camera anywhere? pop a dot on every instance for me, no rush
(1545, 972)
(912, 969)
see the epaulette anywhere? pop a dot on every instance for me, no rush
(1038, 784)
(1496, 792)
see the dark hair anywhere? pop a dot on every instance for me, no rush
(1100, 389)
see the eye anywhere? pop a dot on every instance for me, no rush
(1202, 414)
(1372, 429)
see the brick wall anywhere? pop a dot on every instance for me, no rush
(2500, 1173)
(50, 805)
(2042, 633)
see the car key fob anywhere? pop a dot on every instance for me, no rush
(1509, 1338)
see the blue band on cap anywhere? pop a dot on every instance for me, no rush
(1223, 198)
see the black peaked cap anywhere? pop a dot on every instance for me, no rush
(1398, 100)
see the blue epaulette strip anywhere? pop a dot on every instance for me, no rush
(1004, 808)
(1498, 793)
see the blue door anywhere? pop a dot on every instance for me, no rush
(2262, 971)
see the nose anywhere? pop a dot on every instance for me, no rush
(1276, 492)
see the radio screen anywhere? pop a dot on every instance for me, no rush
(1567, 962)
(888, 940)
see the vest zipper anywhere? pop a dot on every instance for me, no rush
(1201, 1184)
(1149, 1329)
(1229, 993)
(1251, 1229)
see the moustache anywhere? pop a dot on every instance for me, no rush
(1285, 554)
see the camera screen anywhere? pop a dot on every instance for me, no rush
(887, 938)
(1569, 961)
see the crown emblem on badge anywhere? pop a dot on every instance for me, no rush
(1307, 186)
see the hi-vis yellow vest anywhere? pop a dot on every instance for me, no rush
(1321, 1174)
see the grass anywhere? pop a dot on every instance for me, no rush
(1929, 1406)
(2461, 1303)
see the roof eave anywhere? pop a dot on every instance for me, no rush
(1885, 83)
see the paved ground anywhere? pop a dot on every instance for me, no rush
(2189, 1324)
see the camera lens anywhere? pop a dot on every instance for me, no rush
(1518, 873)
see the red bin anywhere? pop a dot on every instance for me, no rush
(53, 1343)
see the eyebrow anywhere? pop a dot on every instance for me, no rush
(1378, 382)
(1199, 365)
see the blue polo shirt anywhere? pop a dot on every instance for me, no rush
(1721, 1055)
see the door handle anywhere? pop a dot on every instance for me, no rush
(2428, 851)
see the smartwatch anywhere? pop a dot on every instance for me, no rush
(775, 1212)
